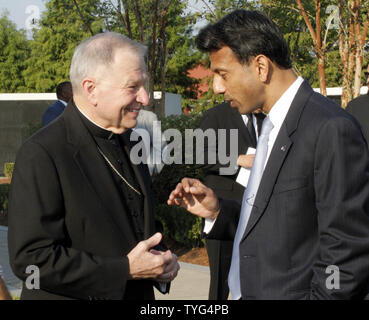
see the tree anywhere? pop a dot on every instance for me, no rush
(338, 59)
(212, 11)
(14, 51)
(164, 28)
(61, 29)
(352, 32)
(320, 43)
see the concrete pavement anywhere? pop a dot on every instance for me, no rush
(13, 283)
(191, 283)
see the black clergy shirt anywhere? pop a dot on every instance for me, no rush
(113, 147)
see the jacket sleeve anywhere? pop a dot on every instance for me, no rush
(341, 182)
(225, 226)
(38, 237)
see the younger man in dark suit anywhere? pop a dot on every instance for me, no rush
(64, 94)
(302, 231)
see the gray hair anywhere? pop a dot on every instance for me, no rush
(99, 50)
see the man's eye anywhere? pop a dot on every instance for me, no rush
(223, 75)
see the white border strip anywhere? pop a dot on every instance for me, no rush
(337, 91)
(27, 96)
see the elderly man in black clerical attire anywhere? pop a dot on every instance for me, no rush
(79, 210)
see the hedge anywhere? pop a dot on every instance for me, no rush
(4, 193)
(179, 225)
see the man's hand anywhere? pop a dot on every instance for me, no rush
(147, 263)
(245, 160)
(4, 293)
(171, 269)
(196, 198)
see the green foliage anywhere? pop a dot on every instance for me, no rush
(52, 48)
(31, 128)
(8, 169)
(62, 28)
(207, 100)
(178, 224)
(170, 175)
(14, 51)
(4, 194)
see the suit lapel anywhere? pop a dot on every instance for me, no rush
(96, 173)
(270, 175)
(278, 155)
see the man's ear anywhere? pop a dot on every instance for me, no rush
(89, 90)
(263, 67)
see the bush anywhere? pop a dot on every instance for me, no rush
(8, 169)
(31, 129)
(4, 194)
(178, 224)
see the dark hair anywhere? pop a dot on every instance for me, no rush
(248, 34)
(64, 90)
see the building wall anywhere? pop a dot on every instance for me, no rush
(17, 118)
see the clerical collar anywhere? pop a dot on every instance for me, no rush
(95, 129)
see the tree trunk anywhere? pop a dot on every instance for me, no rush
(136, 9)
(127, 19)
(321, 72)
(84, 20)
(319, 47)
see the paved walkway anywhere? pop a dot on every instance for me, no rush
(192, 282)
(13, 283)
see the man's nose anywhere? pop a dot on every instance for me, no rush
(143, 96)
(218, 86)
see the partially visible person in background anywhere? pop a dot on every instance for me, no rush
(359, 108)
(148, 121)
(224, 117)
(4, 293)
(64, 93)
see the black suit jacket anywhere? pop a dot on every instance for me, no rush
(52, 112)
(223, 116)
(359, 108)
(311, 209)
(66, 216)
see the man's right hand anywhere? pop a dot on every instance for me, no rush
(145, 263)
(245, 160)
(196, 198)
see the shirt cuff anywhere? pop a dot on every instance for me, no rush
(209, 223)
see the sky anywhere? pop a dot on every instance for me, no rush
(23, 11)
